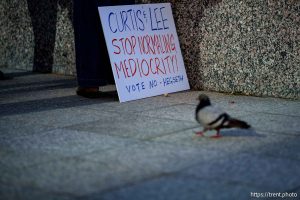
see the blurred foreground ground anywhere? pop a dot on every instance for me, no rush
(56, 145)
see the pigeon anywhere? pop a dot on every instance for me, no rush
(212, 117)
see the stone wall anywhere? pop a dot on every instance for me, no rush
(247, 47)
(37, 32)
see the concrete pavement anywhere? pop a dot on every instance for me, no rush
(56, 145)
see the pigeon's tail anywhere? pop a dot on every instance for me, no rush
(235, 123)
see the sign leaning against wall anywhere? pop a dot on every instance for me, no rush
(144, 50)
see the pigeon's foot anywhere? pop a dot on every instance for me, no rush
(200, 133)
(216, 136)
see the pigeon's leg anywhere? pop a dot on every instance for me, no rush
(201, 133)
(217, 135)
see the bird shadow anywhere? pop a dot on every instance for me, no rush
(241, 133)
(233, 133)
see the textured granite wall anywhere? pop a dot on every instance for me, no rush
(248, 46)
(241, 46)
(37, 34)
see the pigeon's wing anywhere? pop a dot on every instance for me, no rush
(211, 116)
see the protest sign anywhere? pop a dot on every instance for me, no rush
(144, 50)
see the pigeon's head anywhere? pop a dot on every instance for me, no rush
(204, 100)
(203, 97)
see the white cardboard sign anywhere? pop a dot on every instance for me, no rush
(144, 50)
